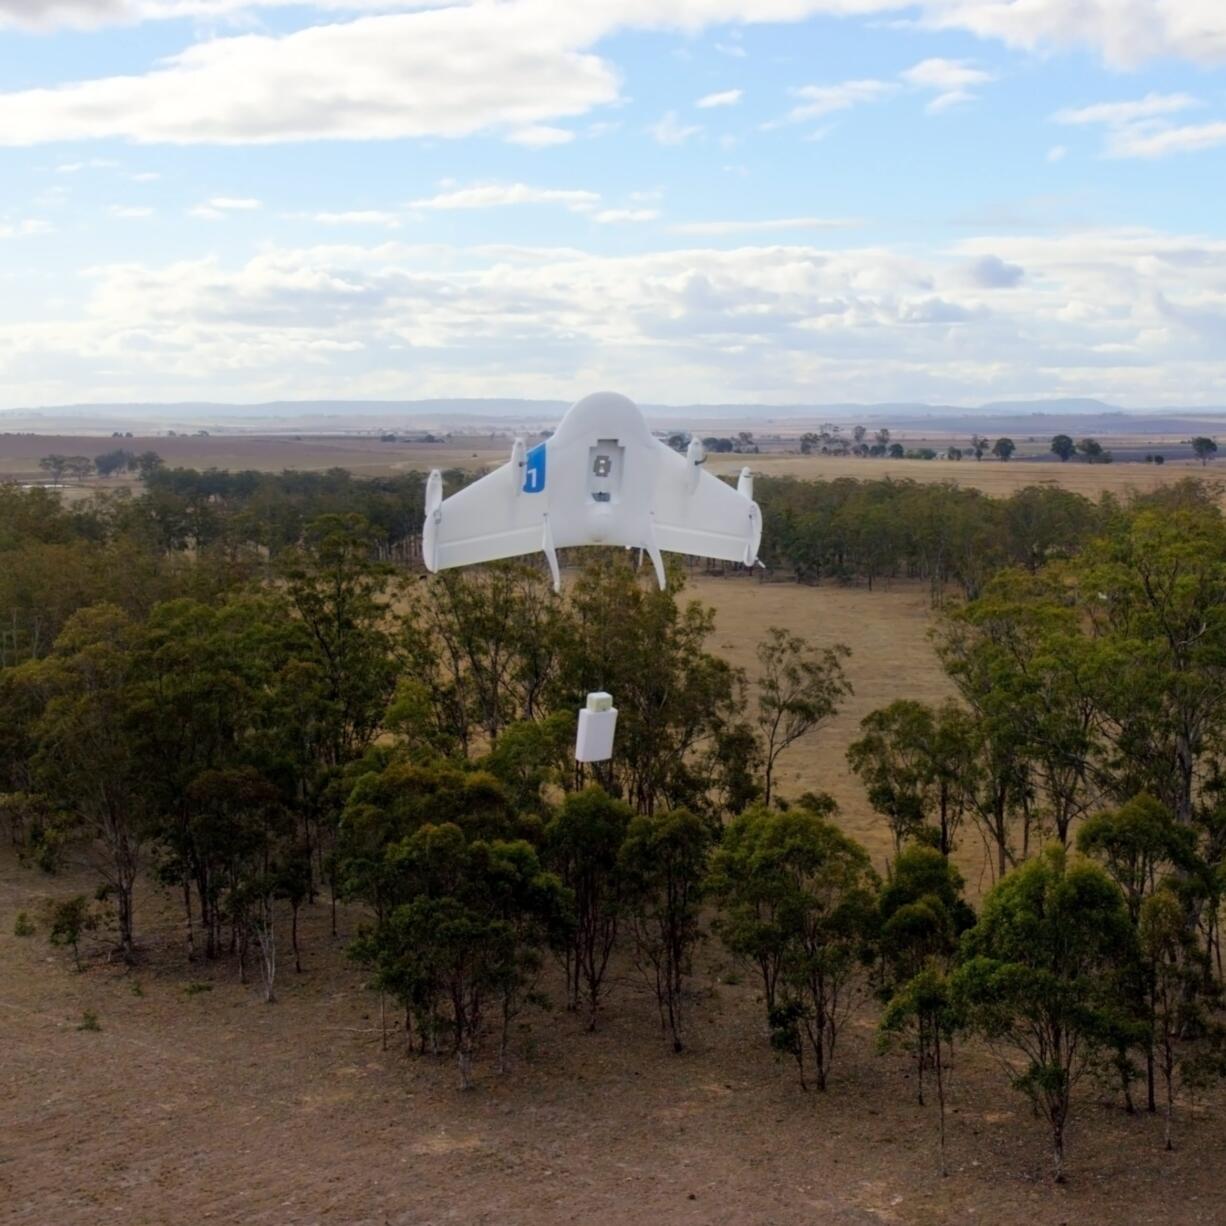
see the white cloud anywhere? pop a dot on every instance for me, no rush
(1057, 153)
(1130, 315)
(953, 81)
(218, 207)
(146, 176)
(72, 168)
(1125, 32)
(1114, 114)
(26, 228)
(714, 229)
(1141, 127)
(443, 72)
(450, 69)
(817, 101)
(499, 195)
(669, 130)
(131, 212)
(356, 217)
(1139, 142)
(540, 136)
(726, 97)
(615, 216)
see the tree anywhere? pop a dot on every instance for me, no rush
(70, 920)
(78, 467)
(55, 465)
(914, 761)
(664, 861)
(148, 463)
(859, 433)
(1138, 844)
(1185, 1033)
(1004, 448)
(1091, 448)
(798, 902)
(583, 844)
(1062, 446)
(84, 759)
(1040, 978)
(470, 937)
(980, 445)
(925, 1007)
(896, 451)
(340, 595)
(953, 453)
(1204, 449)
(800, 687)
(110, 462)
(921, 914)
(648, 648)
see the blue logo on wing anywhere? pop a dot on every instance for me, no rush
(534, 470)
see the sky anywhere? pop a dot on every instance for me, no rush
(716, 201)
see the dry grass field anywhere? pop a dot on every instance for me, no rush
(991, 476)
(891, 657)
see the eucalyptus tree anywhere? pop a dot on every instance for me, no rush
(83, 760)
(664, 861)
(583, 845)
(1041, 979)
(800, 687)
(468, 937)
(797, 898)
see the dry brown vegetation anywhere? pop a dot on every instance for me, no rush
(203, 1105)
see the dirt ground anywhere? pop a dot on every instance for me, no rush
(195, 1102)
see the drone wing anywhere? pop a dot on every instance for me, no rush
(697, 514)
(502, 515)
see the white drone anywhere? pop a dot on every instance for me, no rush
(601, 479)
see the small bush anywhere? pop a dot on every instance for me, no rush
(89, 1021)
(194, 989)
(24, 925)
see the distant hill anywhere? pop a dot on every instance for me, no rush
(1077, 416)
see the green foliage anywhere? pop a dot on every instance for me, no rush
(583, 845)
(664, 863)
(915, 761)
(477, 918)
(800, 687)
(1204, 448)
(1042, 975)
(1063, 446)
(798, 902)
(70, 920)
(23, 925)
(89, 1021)
(1138, 844)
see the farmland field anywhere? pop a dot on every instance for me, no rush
(367, 456)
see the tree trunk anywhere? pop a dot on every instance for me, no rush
(940, 1098)
(1057, 1149)
(187, 911)
(294, 938)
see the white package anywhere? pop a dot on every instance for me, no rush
(597, 724)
